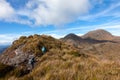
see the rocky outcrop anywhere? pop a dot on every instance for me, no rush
(21, 49)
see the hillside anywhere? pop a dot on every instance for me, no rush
(74, 40)
(28, 46)
(99, 34)
(90, 60)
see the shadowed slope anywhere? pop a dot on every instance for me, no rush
(74, 40)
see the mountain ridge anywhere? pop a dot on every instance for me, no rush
(71, 55)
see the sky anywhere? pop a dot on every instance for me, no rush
(57, 17)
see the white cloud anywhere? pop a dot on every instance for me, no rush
(57, 36)
(54, 12)
(8, 38)
(45, 12)
(107, 12)
(6, 11)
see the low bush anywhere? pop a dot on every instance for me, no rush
(19, 72)
(74, 53)
(4, 69)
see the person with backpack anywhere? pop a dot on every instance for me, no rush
(31, 62)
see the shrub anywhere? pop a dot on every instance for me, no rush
(74, 53)
(27, 77)
(19, 72)
(23, 37)
(4, 69)
(30, 36)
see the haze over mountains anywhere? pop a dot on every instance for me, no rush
(91, 55)
(3, 47)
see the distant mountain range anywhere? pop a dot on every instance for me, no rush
(3, 47)
(100, 35)
(92, 37)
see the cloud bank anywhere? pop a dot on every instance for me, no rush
(56, 12)
(6, 11)
(6, 39)
(45, 12)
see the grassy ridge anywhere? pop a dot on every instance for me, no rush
(60, 62)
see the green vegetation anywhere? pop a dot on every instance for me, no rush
(75, 53)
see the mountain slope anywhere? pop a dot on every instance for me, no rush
(99, 34)
(61, 61)
(74, 40)
(26, 46)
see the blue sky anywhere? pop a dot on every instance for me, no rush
(57, 17)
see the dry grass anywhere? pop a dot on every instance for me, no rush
(61, 65)
(70, 67)
(63, 62)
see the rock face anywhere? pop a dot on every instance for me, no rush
(16, 56)
(19, 58)
(99, 34)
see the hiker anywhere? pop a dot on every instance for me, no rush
(31, 62)
(43, 49)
